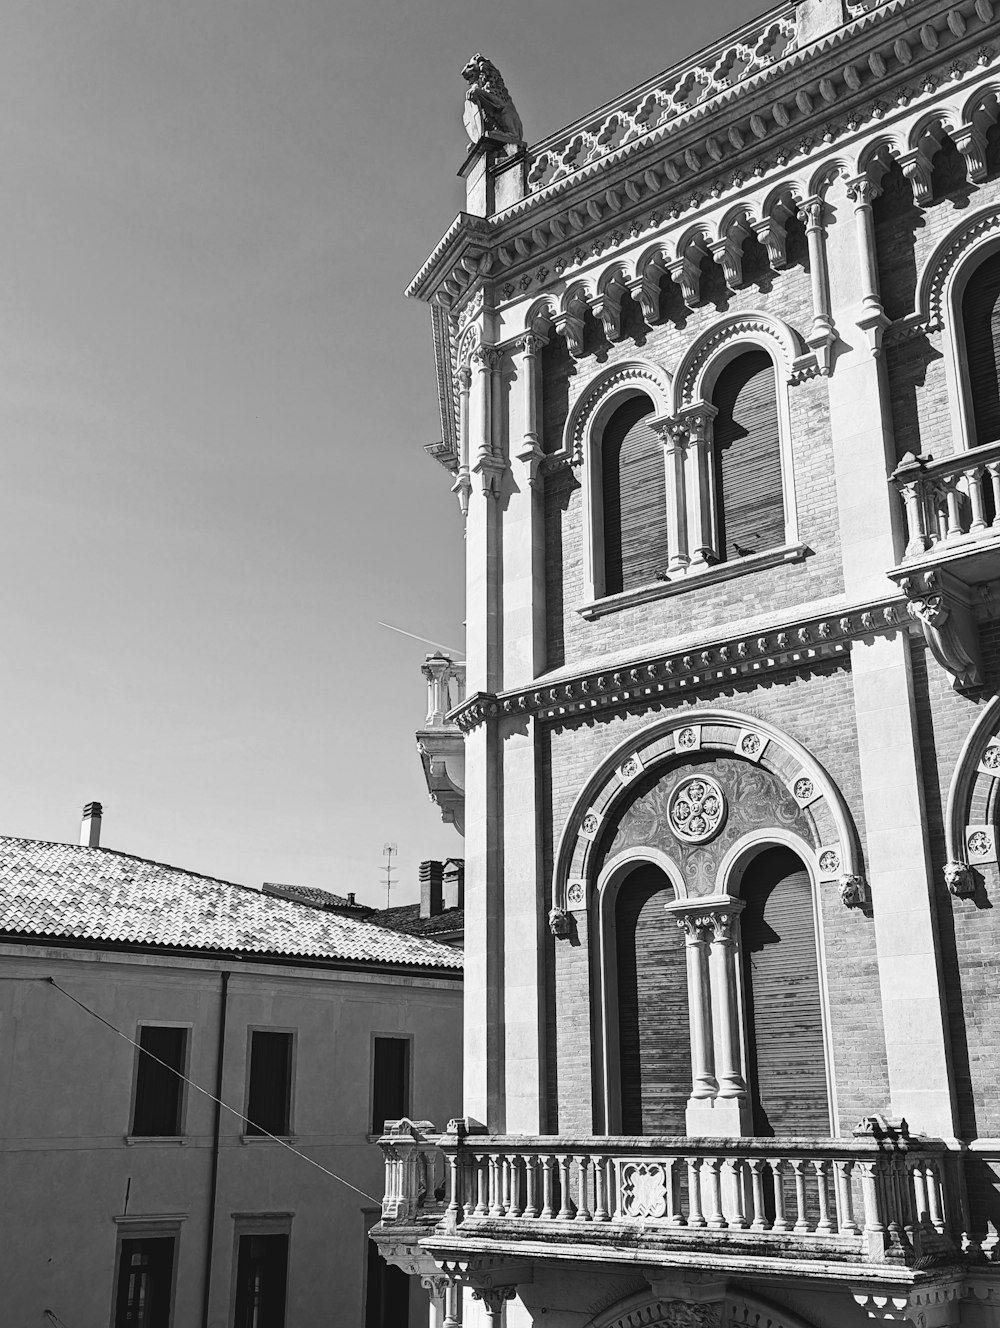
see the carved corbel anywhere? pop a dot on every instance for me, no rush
(772, 232)
(559, 923)
(959, 879)
(646, 289)
(916, 166)
(853, 891)
(971, 142)
(608, 308)
(686, 272)
(940, 604)
(728, 253)
(571, 324)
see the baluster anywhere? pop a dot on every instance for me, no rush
(514, 1205)
(846, 1224)
(777, 1166)
(496, 1208)
(453, 1304)
(940, 502)
(759, 1222)
(566, 1207)
(482, 1181)
(530, 1183)
(673, 1213)
(801, 1226)
(695, 1217)
(454, 1174)
(993, 467)
(953, 507)
(874, 1232)
(824, 1226)
(934, 1195)
(601, 1213)
(975, 491)
(505, 1169)
(736, 1217)
(918, 1190)
(713, 1202)
(583, 1172)
(548, 1164)
(913, 506)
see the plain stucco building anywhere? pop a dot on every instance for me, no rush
(93, 1165)
(719, 378)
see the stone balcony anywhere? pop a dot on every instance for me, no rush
(879, 1210)
(440, 741)
(951, 514)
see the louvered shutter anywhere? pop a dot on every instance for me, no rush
(635, 498)
(981, 319)
(786, 1056)
(747, 458)
(654, 1044)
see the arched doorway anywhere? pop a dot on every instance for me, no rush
(654, 1045)
(783, 1009)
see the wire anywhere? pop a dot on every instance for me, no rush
(204, 1091)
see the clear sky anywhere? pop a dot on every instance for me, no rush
(213, 399)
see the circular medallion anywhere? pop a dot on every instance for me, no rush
(697, 809)
(980, 843)
(829, 861)
(991, 758)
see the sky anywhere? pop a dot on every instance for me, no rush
(214, 398)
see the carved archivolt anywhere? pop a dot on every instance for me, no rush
(669, 740)
(627, 377)
(957, 248)
(735, 1310)
(762, 329)
(970, 823)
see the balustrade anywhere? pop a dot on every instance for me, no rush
(951, 502)
(850, 1198)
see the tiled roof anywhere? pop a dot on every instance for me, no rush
(406, 918)
(99, 894)
(314, 895)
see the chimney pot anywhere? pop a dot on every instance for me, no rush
(90, 826)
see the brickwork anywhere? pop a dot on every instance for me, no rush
(816, 708)
(570, 637)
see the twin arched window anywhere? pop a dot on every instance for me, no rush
(729, 503)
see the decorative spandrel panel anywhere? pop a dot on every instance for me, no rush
(699, 810)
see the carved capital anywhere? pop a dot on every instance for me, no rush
(494, 1297)
(811, 213)
(464, 376)
(863, 191)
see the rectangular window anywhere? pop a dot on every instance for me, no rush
(145, 1283)
(390, 1081)
(261, 1282)
(269, 1098)
(387, 1292)
(158, 1085)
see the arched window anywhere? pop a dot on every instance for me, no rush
(654, 1046)
(749, 501)
(633, 485)
(786, 1057)
(981, 325)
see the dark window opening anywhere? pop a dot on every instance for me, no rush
(157, 1106)
(145, 1283)
(634, 497)
(750, 507)
(387, 1293)
(261, 1282)
(981, 320)
(390, 1081)
(269, 1099)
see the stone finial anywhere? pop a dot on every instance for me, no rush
(489, 110)
(559, 924)
(959, 879)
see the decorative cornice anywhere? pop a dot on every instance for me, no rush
(649, 679)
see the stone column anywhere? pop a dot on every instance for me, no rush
(822, 335)
(524, 521)
(732, 1109)
(703, 1082)
(702, 534)
(463, 482)
(863, 191)
(673, 435)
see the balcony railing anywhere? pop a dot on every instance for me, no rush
(951, 502)
(879, 1198)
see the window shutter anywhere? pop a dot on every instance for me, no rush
(634, 495)
(981, 320)
(786, 1056)
(747, 456)
(390, 1081)
(157, 1107)
(269, 1097)
(654, 1045)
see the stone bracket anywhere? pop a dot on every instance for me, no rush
(942, 607)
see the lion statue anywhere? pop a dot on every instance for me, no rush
(488, 96)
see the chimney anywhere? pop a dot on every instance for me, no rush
(90, 826)
(430, 889)
(453, 883)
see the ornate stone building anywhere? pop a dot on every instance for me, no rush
(719, 373)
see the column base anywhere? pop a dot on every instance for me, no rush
(718, 1117)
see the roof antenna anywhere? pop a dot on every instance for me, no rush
(387, 851)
